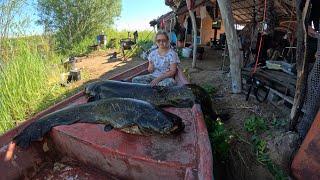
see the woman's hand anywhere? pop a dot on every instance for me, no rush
(150, 67)
(172, 71)
(155, 82)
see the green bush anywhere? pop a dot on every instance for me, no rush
(210, 89)
(145, 38)
(255, 124)
(83, 47)
(220, 138)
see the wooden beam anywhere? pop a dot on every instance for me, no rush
(302, 65)
(233, 44)
(194, 28)
(237, 16)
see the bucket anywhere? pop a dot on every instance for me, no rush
(186, 52)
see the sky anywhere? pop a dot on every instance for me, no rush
(136, 14)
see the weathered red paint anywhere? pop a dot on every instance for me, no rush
(183, 156)
(306, 163)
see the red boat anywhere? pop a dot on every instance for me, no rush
(86, 151)
(306, 163)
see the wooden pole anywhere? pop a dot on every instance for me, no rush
(190, 4)
(302, 66)
(185, 33)
(215, 18)
(233, 44)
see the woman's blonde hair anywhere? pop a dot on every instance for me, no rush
(161, 33)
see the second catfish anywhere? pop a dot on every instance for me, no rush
(184, 96)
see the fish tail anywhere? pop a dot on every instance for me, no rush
(36, 130)
(203, 98)
(31, 133)
(22, 140)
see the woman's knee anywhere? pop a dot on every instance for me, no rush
(144, 79)
(167, 82)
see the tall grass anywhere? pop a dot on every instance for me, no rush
(24, 80)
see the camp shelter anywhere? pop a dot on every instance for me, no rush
(209, 21)
(209, 25)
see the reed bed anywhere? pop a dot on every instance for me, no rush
(24, 80)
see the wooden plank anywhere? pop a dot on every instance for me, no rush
(287, 98)
(275, 82)
(271, 79)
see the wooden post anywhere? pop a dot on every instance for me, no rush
(302, 66)
(233, 44)
(190, 6)
(215, 18)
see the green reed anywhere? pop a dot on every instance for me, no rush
(24, 79)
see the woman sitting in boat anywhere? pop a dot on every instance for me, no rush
(162, 64)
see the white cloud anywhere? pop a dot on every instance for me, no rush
(133, 25)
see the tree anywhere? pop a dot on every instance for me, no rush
(71, 21)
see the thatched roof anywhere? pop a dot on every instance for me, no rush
(244, 10)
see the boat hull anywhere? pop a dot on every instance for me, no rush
(121, 155)
(306, 163)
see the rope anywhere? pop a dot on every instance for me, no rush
(251, 79)
(261, 39)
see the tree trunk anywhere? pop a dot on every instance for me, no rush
(233, 44)
(302, 66)
(194, 29)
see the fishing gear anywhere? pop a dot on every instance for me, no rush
(260, 91)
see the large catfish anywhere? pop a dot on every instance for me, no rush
(129, 115)
(184, 96)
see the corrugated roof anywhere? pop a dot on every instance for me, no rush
(245, 10)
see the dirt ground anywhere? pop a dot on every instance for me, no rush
(242, 163)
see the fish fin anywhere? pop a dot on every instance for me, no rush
(108, 128)
(135, 129)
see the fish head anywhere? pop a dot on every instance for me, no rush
(169, 123)
(160, 122)
(91, 89)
